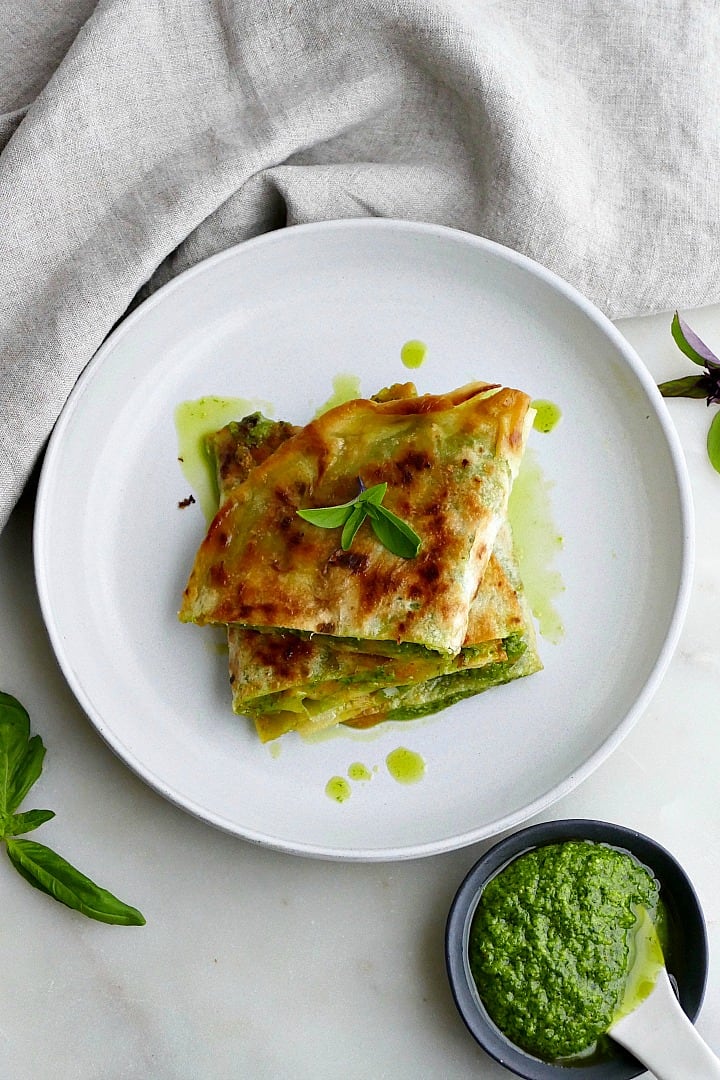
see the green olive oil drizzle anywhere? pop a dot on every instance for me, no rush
(359, 772)
(413, 353)
(345, 388)
(537, 544)
(647, 961)
(547, 415)
(338, 789)
(405, 766)
(194, 421)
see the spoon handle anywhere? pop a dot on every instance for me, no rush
(660, 1035)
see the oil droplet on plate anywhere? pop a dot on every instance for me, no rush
(405, 765)
(345, 388)
(337, 788)
(358, 771)
(537, 543)
(194, 420)
(413, 353)
(547, 415)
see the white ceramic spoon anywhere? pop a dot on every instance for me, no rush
(660, 1035)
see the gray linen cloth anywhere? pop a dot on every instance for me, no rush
(139, 136)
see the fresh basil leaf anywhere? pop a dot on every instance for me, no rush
(20, 756)
(49, 872)
(353, 523)
(688, 342)
(374, 494)
(713, 442)
(328, 517)
(394, 533)
(389, 529)
(692, 386)
(27, 771)
(16, 824)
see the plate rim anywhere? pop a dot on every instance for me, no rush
(550, 795)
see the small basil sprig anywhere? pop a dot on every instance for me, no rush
(391, 531)
(21, 762)
(705, 386)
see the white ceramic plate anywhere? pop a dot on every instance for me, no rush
(275, 320)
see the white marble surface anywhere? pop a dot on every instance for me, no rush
(262, 965)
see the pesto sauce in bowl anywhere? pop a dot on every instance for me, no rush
(553, 942)
(678, 915)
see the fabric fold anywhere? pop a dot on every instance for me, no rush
(578, 133)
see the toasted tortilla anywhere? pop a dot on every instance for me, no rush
(449, 461)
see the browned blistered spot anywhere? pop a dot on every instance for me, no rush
(222, 538)
(429, 571)
(218, 575)
(286, 654)
(465, 462)
(413, 462)
(349, 560)
(285, 521)
(326, 627)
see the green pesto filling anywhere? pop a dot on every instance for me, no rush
(399, 702)
(412, 702)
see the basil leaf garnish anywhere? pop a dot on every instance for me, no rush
(328, 517)
(353, 523)
(374, 494)
(394, 533)
(52, 874)
(21, 762)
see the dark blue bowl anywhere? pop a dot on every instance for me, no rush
(687, 959)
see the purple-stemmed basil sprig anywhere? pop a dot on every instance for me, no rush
(705, 386)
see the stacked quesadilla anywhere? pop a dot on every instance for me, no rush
(321, 632)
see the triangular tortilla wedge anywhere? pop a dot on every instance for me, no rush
(449, 461)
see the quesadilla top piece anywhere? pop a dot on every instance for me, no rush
(448, 461)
